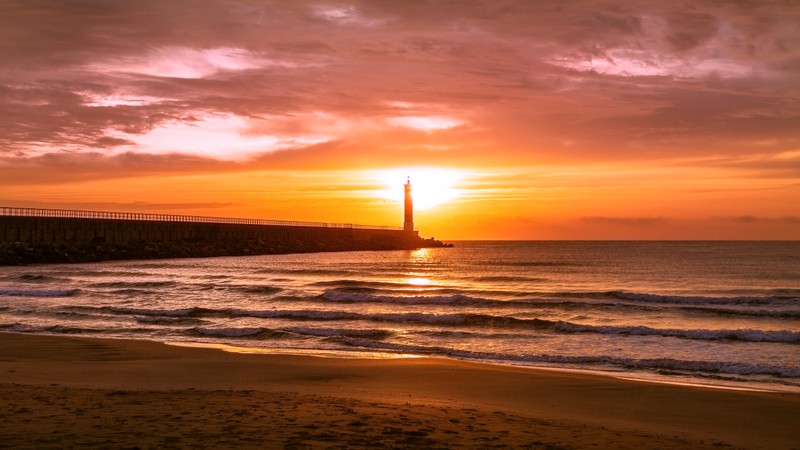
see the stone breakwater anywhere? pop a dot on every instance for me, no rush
(19, 253)
(25, 240)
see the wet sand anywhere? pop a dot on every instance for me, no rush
(58, 392)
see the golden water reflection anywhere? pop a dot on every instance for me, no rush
(420, 255)
(418, 281)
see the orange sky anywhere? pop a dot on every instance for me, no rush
(524, 120)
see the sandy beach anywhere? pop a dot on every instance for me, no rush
(62, 392)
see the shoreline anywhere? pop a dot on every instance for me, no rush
(636, 376)
(406, 402)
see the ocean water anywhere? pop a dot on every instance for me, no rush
(719, 313)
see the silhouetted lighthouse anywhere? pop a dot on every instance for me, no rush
(408, 224)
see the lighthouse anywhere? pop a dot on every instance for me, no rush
(408, 223)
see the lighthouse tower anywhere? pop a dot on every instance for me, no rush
(408, 223)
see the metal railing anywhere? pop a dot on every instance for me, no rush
(78, 214)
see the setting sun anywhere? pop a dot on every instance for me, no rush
(430, 186)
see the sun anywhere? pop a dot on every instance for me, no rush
(430, 186)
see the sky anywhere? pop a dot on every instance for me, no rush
(515, 119)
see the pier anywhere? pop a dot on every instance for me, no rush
(32, 235)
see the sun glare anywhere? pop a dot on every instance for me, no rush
(430, 186)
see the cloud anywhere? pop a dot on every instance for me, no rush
(525, 81)
(59, 167)
(758, 219)
(221, 137)
(627, 221)
(184, 62)
(345, 15)
(423, 123)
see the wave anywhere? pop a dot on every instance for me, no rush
(455, 299)
(466, 334)
(170, 321)
(372, 339)
(655, 364)
(263, 332)
(129, 286)
(748, 312)
(786, 292)
(703, 300)
(455, 319)
(131, 292)
(358, 283)
(146, 312)
(39, 292)
(777, 299)
(135, 284)
(61, 329)
(254, 332)
(472, 320)
(564, 299)
(212, 277)
(535, 264)
(256, 289)
(153, 265)
(405, 318)
(550, 303)
(297, 314)
(372, 334)
(178, 312)
(328, 272)
(467, 319)
(31, 278)
(71, 314)
(107, 273)
(391, 346)
(647, 302)
(747, 335)
(198, 287)
(386, 288)
(507, 278)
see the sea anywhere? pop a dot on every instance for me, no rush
(715, 313)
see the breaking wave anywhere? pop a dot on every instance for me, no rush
(701, 300)
(729, 306)
(255, 332)
(495, 322)
(655, 364)
(713, 335)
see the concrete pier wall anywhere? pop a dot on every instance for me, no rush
(60, 230)
(36, 239)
